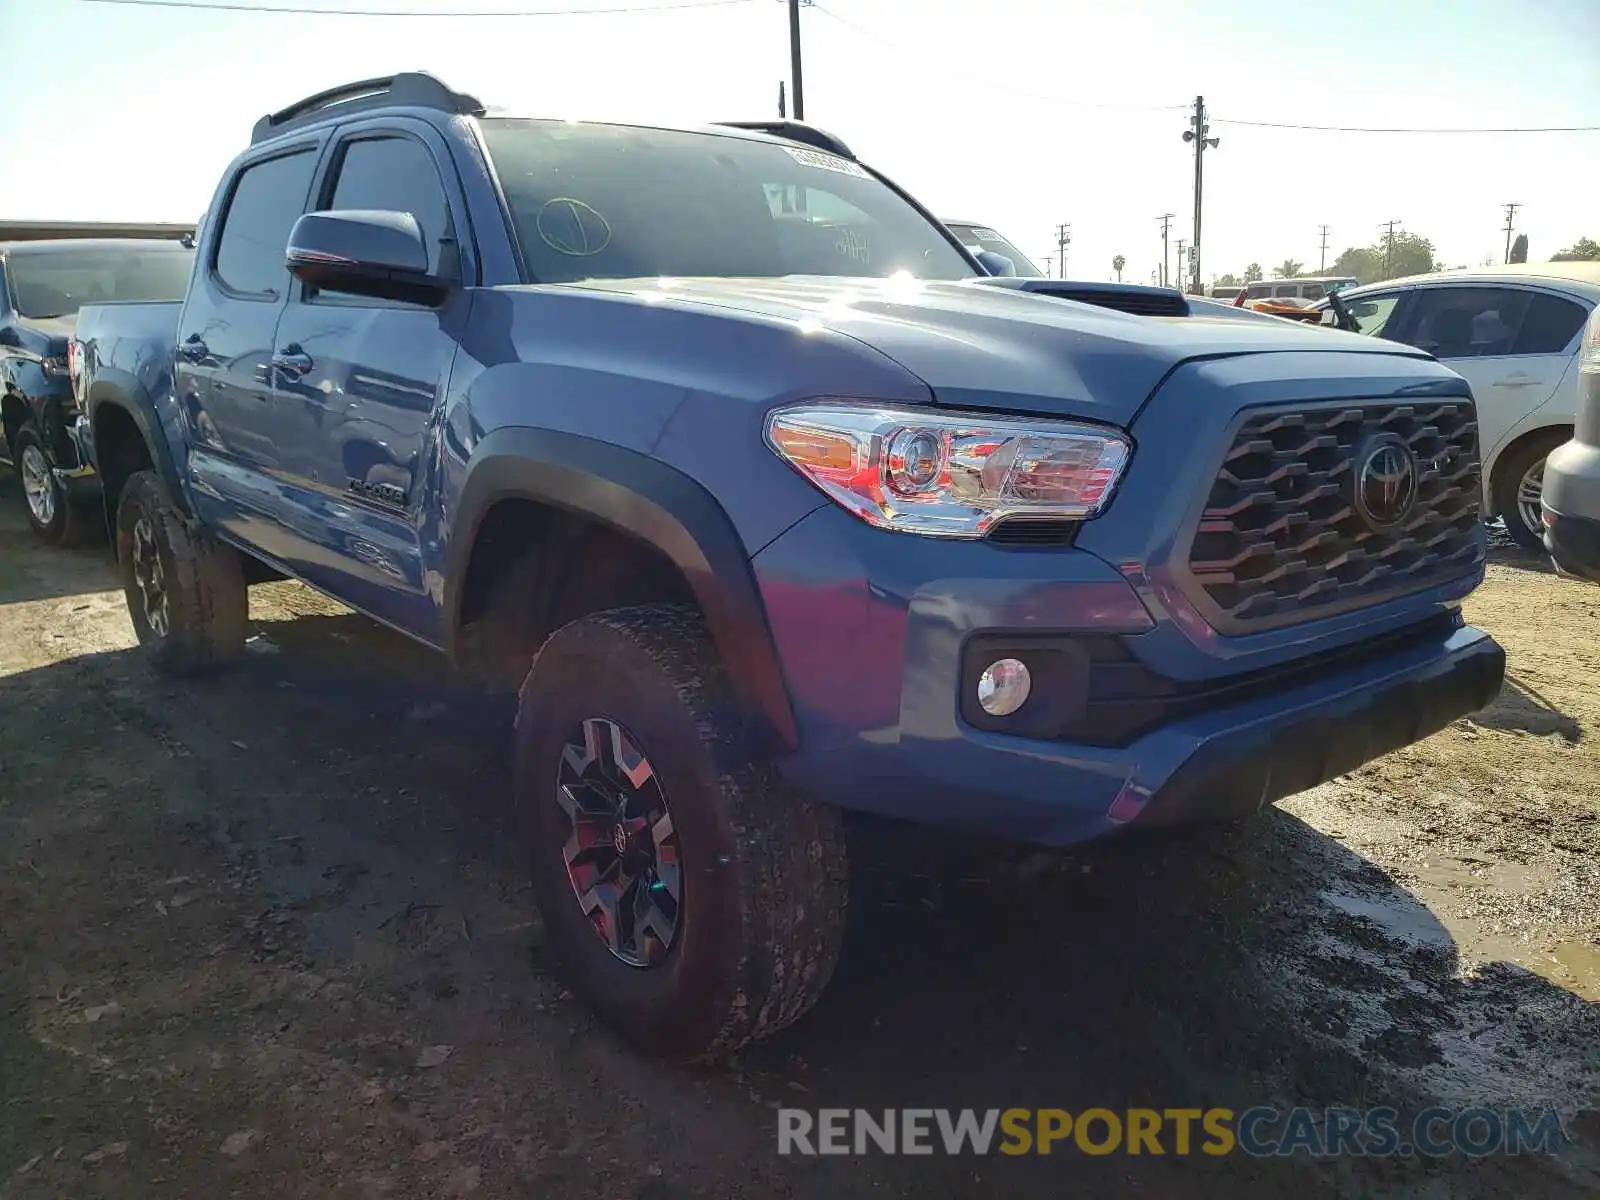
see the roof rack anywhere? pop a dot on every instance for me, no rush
(412, 89)
(797, 131)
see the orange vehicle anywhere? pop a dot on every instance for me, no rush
(1284, 308)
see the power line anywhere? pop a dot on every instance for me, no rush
(989, 81)
(1396, 129)
(312, 10)
(993, 82)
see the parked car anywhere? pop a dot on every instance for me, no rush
(979, 239)
(42, 284)
(708, 440)
(1514, 333)
(1571, 496)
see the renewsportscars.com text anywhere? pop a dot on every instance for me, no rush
(1259, 1132)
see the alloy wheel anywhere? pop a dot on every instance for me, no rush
(38, 485)
(1530, 490)
(150, 577)
(621, 850)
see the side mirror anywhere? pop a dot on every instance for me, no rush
(996, 264)
(366, 253)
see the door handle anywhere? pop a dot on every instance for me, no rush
(193, 349)
(1519, 380)
(292, 361)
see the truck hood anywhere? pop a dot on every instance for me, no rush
(980, 346)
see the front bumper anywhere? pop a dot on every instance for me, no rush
(1574, 545)
(875, 669)
(1572, 509)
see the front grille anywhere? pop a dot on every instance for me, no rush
(1281, 538)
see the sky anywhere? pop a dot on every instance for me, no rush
(1021, 114)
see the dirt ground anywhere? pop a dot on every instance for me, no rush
(264, 936)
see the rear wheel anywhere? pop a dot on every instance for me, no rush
(696, 902)
(186, 591)
(1519, 488)
(49, 508)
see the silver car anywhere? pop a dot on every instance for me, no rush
(1571, 500)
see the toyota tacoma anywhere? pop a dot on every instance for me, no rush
(711, 441)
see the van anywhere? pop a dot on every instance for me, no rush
(1307, 291)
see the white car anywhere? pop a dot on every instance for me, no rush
(1513, 333)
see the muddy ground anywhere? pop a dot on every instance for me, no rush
(264, 936)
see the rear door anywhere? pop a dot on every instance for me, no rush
(225, 339)
(1513, 344)
(367, 379)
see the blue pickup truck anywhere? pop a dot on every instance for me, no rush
(710, 441)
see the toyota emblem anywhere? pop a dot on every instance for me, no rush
(1386, 483)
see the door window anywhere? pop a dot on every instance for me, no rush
(1468, 322)
(1550, 325)
(398, 174)
(1372, 313)
(267, 200)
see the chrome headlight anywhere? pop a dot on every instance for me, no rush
(948, 474)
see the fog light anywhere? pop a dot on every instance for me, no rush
(1003, 687)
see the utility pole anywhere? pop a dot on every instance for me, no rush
(1166, 224)
(1322, 263)
(1049, 265)
(1196, 133)
(1511, 214)
(1181, 245)
(1063, 240)
(794, 61)
(1388, 249)
(783, 110)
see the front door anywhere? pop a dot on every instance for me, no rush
(224, 353)
(369, 377)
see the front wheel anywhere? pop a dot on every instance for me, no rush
(186, 591)
(697, 903)
(49, 508)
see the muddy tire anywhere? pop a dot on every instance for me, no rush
(185, 590)
(1519, 477)
(44, 498)
(750, 939)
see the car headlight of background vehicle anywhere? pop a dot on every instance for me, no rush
(949, 474)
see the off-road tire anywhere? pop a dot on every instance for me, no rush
(1513, 465)
(763, 869)
(208, 602)
(66, 526)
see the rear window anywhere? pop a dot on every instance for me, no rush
(1549, 326)
(57, 281)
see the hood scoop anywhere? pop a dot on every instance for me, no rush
(1122, 297)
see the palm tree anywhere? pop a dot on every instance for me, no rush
(1117, 264)
(1288, 269)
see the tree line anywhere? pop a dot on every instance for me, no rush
(1397, 256)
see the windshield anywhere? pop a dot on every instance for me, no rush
(981, 237)
(56, 281)
(621, 202)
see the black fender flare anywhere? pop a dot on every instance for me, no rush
(105, 394)
(646, 499)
